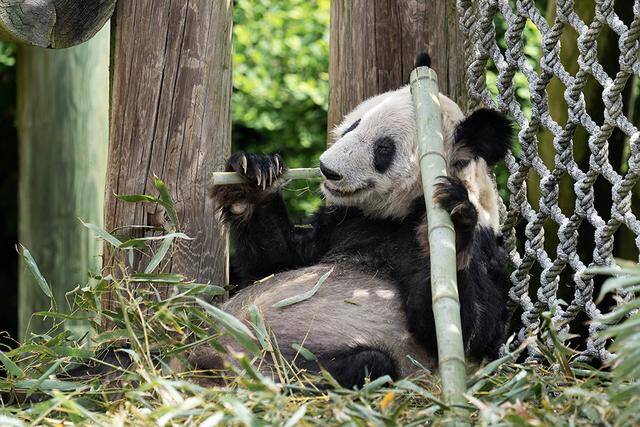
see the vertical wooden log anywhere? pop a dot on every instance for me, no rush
(63, 108)
(171, 116)
(373, 45)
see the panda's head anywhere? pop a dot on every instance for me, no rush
(373, 162)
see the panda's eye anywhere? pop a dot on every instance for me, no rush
(383, 151)
(352, 127)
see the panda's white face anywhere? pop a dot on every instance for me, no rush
(373, 163)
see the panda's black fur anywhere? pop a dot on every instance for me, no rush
(391, 248)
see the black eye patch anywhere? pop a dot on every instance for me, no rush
(383, 151)
(352, 127)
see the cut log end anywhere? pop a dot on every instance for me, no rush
(53, 23)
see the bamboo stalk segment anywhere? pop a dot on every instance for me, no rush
(230, 178)
(442, 248)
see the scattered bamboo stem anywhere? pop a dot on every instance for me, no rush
(230, 178)
(444, 288)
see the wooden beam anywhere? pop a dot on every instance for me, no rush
(63, 128)
(373, 45)
(53, 23)
(171, 116)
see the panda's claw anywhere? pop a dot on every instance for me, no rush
(258, 175)
(243, 162)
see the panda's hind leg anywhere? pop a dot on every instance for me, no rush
(350, 368)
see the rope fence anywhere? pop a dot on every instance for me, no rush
(483, 50)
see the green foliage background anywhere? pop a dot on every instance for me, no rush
(281, 85)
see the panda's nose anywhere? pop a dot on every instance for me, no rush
(329, 174)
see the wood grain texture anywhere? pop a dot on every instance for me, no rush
(171, 116)
(63, 128)
(373, 44)
(53, 23)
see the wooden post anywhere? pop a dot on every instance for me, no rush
(53, 23)
(171, 116)
(373, 45)
(63, 109)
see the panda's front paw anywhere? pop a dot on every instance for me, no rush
(452, 195)
(261, 170)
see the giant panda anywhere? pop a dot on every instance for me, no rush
(372, 316)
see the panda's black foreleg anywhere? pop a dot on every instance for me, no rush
(351, 367)
(265, 239)
(413, 274)
(452, 195)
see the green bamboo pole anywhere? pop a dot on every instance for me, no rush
(229, 178)
(442, 237)
(63, 128)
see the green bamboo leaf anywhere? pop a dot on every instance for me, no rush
(109, 336)
(613, 271)
(77, 353)
(296, 417)
(620, 312)
(56, 315)
(31, 348)
(305, 295)
(241, 412)
(166, 201)
(33, 267)
(44, 376)
(257, 321)
(235, 327)
(411, 386)
(140, 241)
(102, 234)
(157, 278)
(377, 383)
(10, 366)
(48, 385)
(187, 289)
(213, 420)
(614, 283)
(9, 421)
(304, 352)
(136, 198)
(159, 255)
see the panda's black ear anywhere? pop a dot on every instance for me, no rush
(487, 134)
(422, 60)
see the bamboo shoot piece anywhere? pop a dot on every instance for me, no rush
(229, 178)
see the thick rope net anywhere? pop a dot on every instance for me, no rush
(477, 19)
